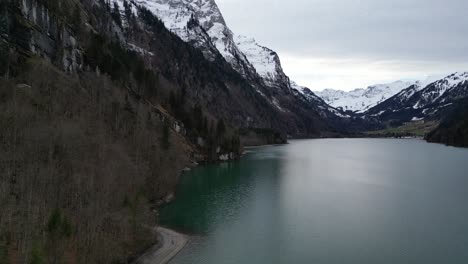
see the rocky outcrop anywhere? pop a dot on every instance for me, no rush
(36, 30)
(266, 63)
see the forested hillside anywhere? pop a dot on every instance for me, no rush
(94, 131)
(83, 162)
(453, 129)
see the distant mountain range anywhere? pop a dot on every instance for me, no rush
(400, 103)
(300, 111)
(360, 100)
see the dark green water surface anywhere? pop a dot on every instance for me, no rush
(327, 201)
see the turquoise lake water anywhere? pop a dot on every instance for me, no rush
(327, 201)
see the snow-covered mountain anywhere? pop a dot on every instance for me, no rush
(312, 98)
(201, 23)
(265, 61)
(443, 90)
(360, 100)
(421, 101)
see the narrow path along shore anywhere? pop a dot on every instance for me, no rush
(170, 243)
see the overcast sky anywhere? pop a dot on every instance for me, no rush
(346, 44)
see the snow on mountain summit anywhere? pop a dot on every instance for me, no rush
(360, 100)
(450, 82)
(213, 32)
(214, 37)
(265, 61)
(200, 23)
(423, 100)
(436, 90)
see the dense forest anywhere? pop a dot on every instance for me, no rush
(453, 130)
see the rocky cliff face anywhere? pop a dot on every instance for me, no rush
(265, 61)
(39, 32)
(201, 22)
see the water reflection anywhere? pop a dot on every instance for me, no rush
(328, 201)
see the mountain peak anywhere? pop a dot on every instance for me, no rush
(213, 34)
(244, 54)
(265, 61)
(454, 79)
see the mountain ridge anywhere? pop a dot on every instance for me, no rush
(259, 65)
(359, 100)
(419, 102)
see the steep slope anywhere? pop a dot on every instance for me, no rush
(392, 107)
(100, 111)
(316, 100)
(286, 94)
(360, 100)
(265, 61)
(258, 65)
(211, 84)
(195, 21)
(443, 91)
(337, 119)
(453, 129)
(418, 102)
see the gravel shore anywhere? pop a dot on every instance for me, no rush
(170, 243)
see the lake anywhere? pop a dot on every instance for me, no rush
(327, 201)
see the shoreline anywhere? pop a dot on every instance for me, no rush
(170, 244)
(170, 241)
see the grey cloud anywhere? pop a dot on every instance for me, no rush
(398, 29)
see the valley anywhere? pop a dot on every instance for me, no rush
(105, 104)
